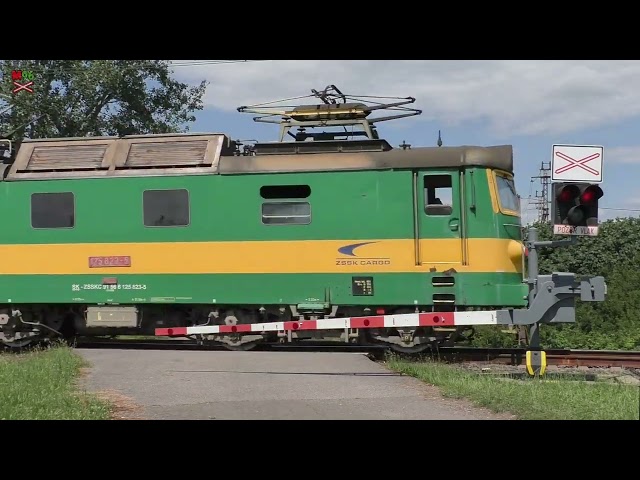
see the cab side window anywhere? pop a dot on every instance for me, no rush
(166, 208)
(438, 195)
(53, 210)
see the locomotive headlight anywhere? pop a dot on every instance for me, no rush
(515, 251)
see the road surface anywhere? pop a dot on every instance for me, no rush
(210, 385)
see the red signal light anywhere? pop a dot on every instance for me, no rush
(587, 197)
(576, 204)
(591, 194)
(568, 193)
(564, 196)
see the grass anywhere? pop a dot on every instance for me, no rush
(530, 398)
(42, 385)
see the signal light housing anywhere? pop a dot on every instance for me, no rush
(575, 208)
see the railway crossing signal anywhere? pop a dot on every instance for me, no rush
(576, 173)
(574, 208)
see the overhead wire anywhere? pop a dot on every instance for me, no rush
(621, 209)
(172, 64)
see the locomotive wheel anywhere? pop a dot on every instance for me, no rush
(17, 339)
(243, 347)
(393, 344)
(17, 343)
(414, 349)
(239, 317)
(397, 347)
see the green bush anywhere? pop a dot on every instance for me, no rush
(610, 325)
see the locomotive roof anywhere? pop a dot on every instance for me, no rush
(211, 153)
(500, 157)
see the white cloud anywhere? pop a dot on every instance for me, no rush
(629, 154)
(528, 211)
(512, 96)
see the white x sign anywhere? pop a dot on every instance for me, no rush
(20, 86)
(577, 163)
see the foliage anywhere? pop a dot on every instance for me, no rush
(614, 254)
(559, 398)
(492, 337)
(612, 324)
(44, 385)
(616, 246)
(78, 98)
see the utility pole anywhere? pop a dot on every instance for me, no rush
(541, 199)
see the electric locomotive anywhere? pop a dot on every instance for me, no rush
(332, 235)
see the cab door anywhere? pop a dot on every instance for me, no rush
(438, 220)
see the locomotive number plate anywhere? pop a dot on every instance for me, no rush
(101, 262)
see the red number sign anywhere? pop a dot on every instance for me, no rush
(102, 262)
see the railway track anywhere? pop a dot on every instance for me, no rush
(506, 356)
(570, 358)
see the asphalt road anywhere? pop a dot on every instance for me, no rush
(208, 385)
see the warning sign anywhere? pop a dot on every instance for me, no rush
(577, 163)
(571, 230)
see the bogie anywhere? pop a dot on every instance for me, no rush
(25, 325)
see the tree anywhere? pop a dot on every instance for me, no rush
(612, 324)
(615, 246)
(78, 98)
(614, 254)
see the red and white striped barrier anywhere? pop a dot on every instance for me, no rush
(441, 319)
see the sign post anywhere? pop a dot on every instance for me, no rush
(576, 172)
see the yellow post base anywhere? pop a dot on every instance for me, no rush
(536, 362)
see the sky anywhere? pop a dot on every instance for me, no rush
(530, 104)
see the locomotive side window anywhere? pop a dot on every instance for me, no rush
(285, 208)
(53, 210)
(438, 195)
(286, 213)
(165, 208)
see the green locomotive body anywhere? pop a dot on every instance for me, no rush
(259, 232)
(111, 236)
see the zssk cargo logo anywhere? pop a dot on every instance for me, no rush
(351, 258)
